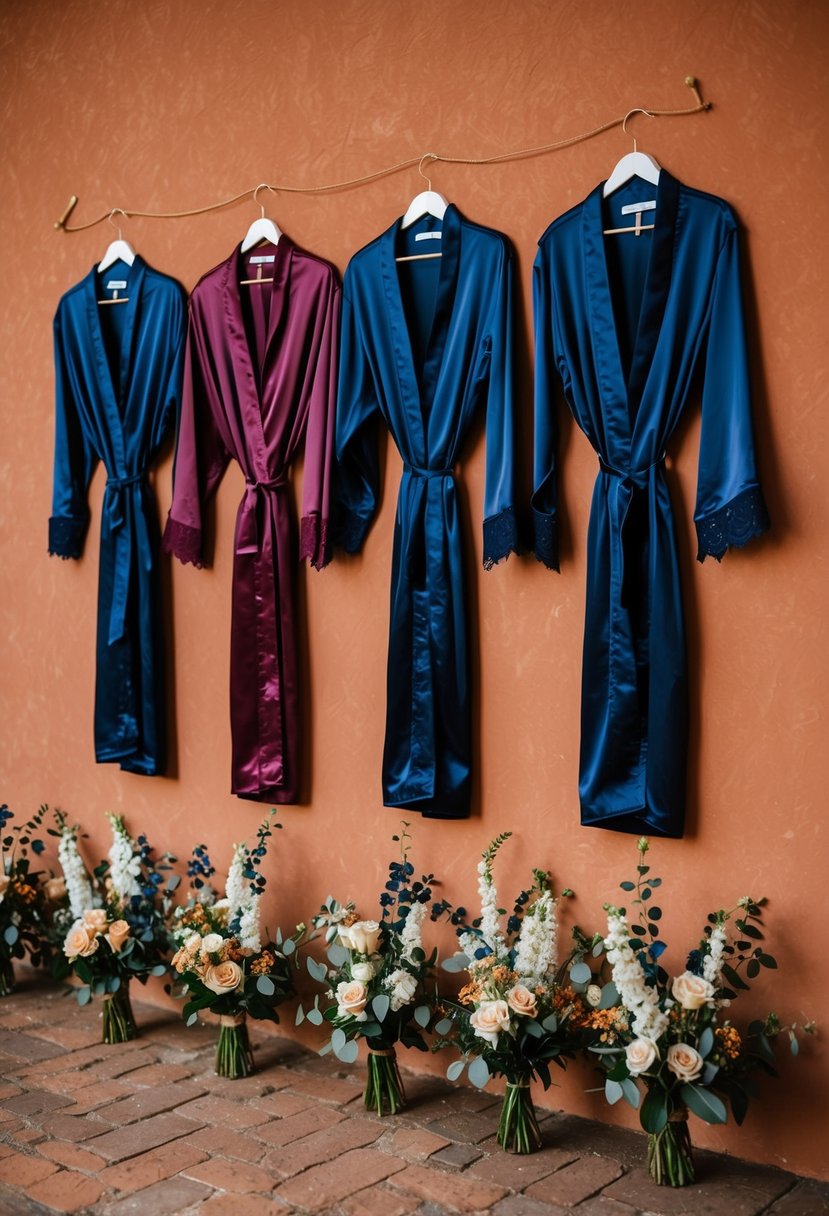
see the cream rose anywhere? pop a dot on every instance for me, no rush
(489, 1019)
(363, 972)
(594, 996)
(55, 889)
(95, 921)
(522, 1001)
(364, 936)
(119, 931)
(4, 884)
(351, 999)
(684, 1061)
(212, 943)
(78, 942)
(692, 991)
(224, 977)
(640, 1055)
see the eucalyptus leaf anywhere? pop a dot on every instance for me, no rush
(265, 985)
(550, 1023)
(84, 995)
(703, 1103)
(314, 1017)
(580, 973)
(654, 1113)
(455, 1069)
(191, 1021)
(610, 996)
(533, 1029)
(631, 1092)
(706, 1042)
(337, 954)
(324, 1050)
(159, 969)
(317, 971)
(300, 1016)
(479, 1072)
(380, 1006)
(457, 962)
(11, 934)
(709, 1072)
(422, 1015)
(338, 1039)
(349, 1053)
(443, 1026)
(288, 947)
(613, 1091)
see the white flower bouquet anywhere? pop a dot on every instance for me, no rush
(378, 981)
(118, 932)
(515, 1016)
(678, 1044)
(221, 962)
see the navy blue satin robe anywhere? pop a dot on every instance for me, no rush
(626, 322)
(424, 345)
(118, 371)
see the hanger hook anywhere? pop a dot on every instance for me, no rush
(433, 156)
(117, 227)
(262, 186)
(637, 110)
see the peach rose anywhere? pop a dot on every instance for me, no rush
(684, 1061)
(640, 1055)
(522, 1001)
(55, 889)
(351, 999)
(4, 884)
(224, 977)
(119, 931)
(692, 991)
(95, 921)
(489, 1019)
(78, 942)
(364, 936)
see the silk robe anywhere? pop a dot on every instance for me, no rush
(259, 388)
(118, 370)
(626, 322)
(425, 345)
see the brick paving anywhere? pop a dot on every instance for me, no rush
(147, 1128)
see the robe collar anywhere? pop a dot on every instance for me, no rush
(621, 397)
(233, 270)
(115, 396)
(418, 394)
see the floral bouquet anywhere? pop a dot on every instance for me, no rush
(68, 894)
(23, 915)
(688, 1056)
(119, 933)
(221, 961)
(377, 984)
(515, 1015)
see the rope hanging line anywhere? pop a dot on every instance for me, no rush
(409, 163)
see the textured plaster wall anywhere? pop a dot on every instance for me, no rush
(164, 106)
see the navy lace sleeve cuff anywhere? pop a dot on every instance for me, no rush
(500, 537)
(545, 538)
(735, 524)
(314, 543)
(183, 542)
(66, 535)
(350, 530)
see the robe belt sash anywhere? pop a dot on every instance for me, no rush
(631, 481)
(260, 543)
(428, 605)
(123, 510)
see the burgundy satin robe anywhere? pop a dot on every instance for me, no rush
(260, 381)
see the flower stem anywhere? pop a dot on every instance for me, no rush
(384, 1087)
(670, 1160)
(7, 980)
(234, 1055)
(518, 1130)
(118, 1019)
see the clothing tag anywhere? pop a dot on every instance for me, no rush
(256, 261)
(116, 284)
(632, 208)
(428, 236)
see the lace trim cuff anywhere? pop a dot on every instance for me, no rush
(183, 542)
(314, 543)
(735, 524)
(66, 535)
(500, 537)
(350, 530)
(545, 538)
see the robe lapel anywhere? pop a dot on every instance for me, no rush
(402, 347)
(447, 283)
(279, 297)
(604, 336)
(655, 294)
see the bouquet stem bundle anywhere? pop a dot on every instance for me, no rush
(670, 1161)
(384, 1092)
(518, 1130)
(234, 1055)
(7, 981)
(118, 1019)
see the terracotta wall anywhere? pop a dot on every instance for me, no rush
(160, 105)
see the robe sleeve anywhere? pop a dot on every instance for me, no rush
(500, 523)
(545, 488)
(358, 464)
(201, 456)
(730, 509)
(315, 543)
(75, 462)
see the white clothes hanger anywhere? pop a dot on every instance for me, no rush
(260, 230)
(634, 164)
(117, 251)
(428, 202)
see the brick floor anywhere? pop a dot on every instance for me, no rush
(147, 1128)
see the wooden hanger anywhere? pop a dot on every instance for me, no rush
(261, 231)
(633, 164)
(428, 202)
(117, 251)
